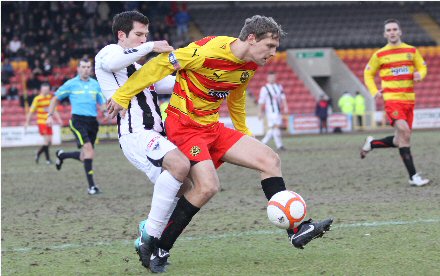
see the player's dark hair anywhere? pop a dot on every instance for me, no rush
(86, 60)
(124, 22)
(261, 27)
(44, 84)
(391, 20)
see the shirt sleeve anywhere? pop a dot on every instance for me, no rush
(100, 96)
(420, 64)
(63, 91)
(369, 74)
(237, 109)
(115, 58)
(283, 95)
(263, 95)
(34, 104)
(155, 70)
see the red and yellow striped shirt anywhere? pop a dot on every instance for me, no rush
(397, 65)
(41, 105)
(207, 74)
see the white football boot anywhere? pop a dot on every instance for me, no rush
(418, 181)
(366, 148)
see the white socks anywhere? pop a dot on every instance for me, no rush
(277, 138)
(163, 203)
(268, 136)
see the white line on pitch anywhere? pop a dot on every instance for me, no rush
(226, 235)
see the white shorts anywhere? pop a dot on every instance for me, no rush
(274, 119)
(145, 149)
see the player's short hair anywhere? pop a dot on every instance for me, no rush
(44, 84)
(261, 26)
(391, 20)
(86, 60)
(124, 22)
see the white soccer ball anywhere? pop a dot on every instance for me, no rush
(286, 209)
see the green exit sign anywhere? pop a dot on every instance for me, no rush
(317, 54)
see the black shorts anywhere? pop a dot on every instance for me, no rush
(85, 129)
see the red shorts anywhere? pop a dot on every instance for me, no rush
(398, 111)
(202, 143)
(45, 129)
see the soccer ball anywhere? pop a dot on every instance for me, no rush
(286, 209)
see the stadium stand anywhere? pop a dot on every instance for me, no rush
(351, 27)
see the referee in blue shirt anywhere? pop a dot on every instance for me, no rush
(84, 93)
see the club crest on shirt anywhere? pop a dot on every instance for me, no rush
(244, 77)
(395, 113)
(195, 150)
(409, 56)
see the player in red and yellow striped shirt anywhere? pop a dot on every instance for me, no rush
(399, 66)
(40, 104)
(209, 71)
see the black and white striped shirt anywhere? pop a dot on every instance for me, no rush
(272, 95)
(113, 66)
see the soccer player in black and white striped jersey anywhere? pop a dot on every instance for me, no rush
(270, 100)
(141, 131)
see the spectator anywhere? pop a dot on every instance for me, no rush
(33, 84)
(182, 22)
(12, 92)
(37, 69)
(359, 108)
(4, 93)
(47, 67)
(321, 111)
(103, 11)
(346, 103)
(7, 69)
(14, 46)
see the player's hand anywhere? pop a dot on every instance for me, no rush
(113, 109)
(162, 47)
(417, 77)
(49, 121)
(379, 94)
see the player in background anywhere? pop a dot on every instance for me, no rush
(84, 94)
(209, 71)
(399, 66)
(271, 99)
(40, 104)
(141, 131)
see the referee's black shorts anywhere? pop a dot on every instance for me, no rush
(85, 129)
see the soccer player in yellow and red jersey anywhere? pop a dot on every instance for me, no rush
(209, 71)
(40, 104)
(399, 66)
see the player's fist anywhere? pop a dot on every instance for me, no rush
(417, 77)
(162, 47)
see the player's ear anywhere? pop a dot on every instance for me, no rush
(121, 35)
(252, 39)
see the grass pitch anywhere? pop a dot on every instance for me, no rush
(50, 226)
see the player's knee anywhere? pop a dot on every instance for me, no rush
(208, 190)
(272, 161)
(177, 164)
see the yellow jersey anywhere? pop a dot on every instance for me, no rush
(397, 65)
(41, 105)
(208, 73)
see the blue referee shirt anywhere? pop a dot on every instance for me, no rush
(83, 95)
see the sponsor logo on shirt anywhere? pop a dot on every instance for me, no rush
(154, 143)
(218, 94)
(173, 60)
(400, 71)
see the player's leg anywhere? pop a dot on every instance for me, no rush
(250, 153)
(403, 138)
(78, 132)
(42, 131)
(277, 138)
(270, 132)
(205, 185)
(47, 142)
(386, 142)
(88, 153)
